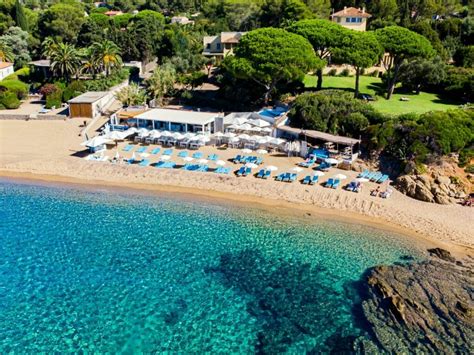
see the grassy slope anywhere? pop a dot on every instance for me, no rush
(418, 103)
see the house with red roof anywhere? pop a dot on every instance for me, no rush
(352, 18)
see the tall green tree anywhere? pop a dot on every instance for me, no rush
(65, 60)
(131, 95)
(161, 82)
(20, 17)
(422, 73)
(402, 44)
(270, 56)
(17, 40)
(106, 55)
(62, 21)
(361, 50)
(324, 36)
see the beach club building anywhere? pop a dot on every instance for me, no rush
(176, 120)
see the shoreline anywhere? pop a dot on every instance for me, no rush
(271, 205)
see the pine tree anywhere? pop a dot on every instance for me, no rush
(20, 17)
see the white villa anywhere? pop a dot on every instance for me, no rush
(6, 69)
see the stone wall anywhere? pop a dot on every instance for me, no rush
(35, 117)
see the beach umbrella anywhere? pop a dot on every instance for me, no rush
(115, 135)
(144, 155)
(243, 136)
(188, 158)
(134, 157)
(166, 134)
(143, 132)
(239, 121)
(221, 163)
(234, 139)
(219, 134)
(297, 169)
(132, 130)
(267, 129)
(340, 176)
(331, 161)
(245, 127)
(96, 142)
(165, 157)
(255, 129)
(203, 161)
(177, 136)
(229, 134)
(271, 168)
(362, 180)
(204, 139)
(188, 135)
(247, 151)
(251, 165)
(259, 123)
(264, 140)
(277, 141)
(155, 134)
(318, 173)
(234, 126)
(117, 155)
(262, 151)
(194, 138)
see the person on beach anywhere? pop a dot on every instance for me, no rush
(375, 192)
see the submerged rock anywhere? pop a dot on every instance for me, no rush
(424, 307)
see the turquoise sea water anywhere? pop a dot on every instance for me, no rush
(104, 271)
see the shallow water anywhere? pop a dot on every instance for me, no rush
(102, 271)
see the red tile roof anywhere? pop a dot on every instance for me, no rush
(4, 65)
(351, 12)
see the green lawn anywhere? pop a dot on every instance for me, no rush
(369, 85)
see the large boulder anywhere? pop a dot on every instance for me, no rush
(424, 307)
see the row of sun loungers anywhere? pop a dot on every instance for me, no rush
(264, 174)
(374, 176)
(243, 159)
(332, 183)
(310, 180)
(286, 177)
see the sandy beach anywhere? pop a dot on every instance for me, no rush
(51, 151)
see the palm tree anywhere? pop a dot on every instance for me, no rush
(107, 55)
(131, 95)
(65, 60)
(161, 82)
(89, 65)
(49, 45)
(6, 53)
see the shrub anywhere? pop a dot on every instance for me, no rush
(345, 72)
(48, 89)
(332, 72)
(54, 99)
(22, 74)
(16, 86)
(72, 90)
(469, 169)
(374, 73)
(105, 83)
(9, 100)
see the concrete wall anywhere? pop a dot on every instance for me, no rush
(6, 72)
(34, 117)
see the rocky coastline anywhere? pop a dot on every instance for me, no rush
(419, 307)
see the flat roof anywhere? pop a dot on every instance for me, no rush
(41, 63)
(178, 116)
(88, 97)
(321, 135)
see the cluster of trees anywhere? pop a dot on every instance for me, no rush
(405, 138)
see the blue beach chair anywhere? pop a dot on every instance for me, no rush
(168, 152)
(306, 180)
(247, 171)
(336, 183)
(329, 183)
(314, 180)
(241, 171)
(183, 154)
(267, 174)
(144, 162)
(155, 151)
(261, 173)
(128, 148)
(212, 157)
(237, 159)
(197, 155)
(383, 179)
(141, 150)
(293, 177)
(286, 177)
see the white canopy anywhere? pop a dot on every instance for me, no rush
(277, 141)
(115, 135)
(243, 136)
(204, 139)
(259, 123)
(219, 134)
(177, 136)
(96, 142)
(143, 132)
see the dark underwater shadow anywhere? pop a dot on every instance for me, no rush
(291, 301)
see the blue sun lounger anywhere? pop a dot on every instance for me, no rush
(293, 177)
(241, 171)
(247, 171)
(202, 168)
(237, 159)
(155, 151)
(280, 177)
(351, 186)
(261, 173)
(141, 150)
(336, 183)
(286, 177)
(267, 174)
(306, 180)
(197, 155)
(376, 177)
(222, 170)
(213, 157)
(144, 162)
(130, 161)
(364, 174)
(128, 148)
(168, 152)
(314, 180)
(183, 154)
(323, 166)
(329, 183)
(383, 179)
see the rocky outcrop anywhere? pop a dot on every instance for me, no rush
(438, 189)
(424, 307)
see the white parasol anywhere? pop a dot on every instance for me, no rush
(165, 157)
(188, 158)
(203, 161)
(272, 168)
(297, 169)
(247, 151)
(221, 163)
(318, 173)
(262, 151)
(340, 176)
(251, 165)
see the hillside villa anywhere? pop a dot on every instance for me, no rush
(6, 69)
(352, 18)
(221, 45)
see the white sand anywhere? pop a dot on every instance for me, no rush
(49, 149)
